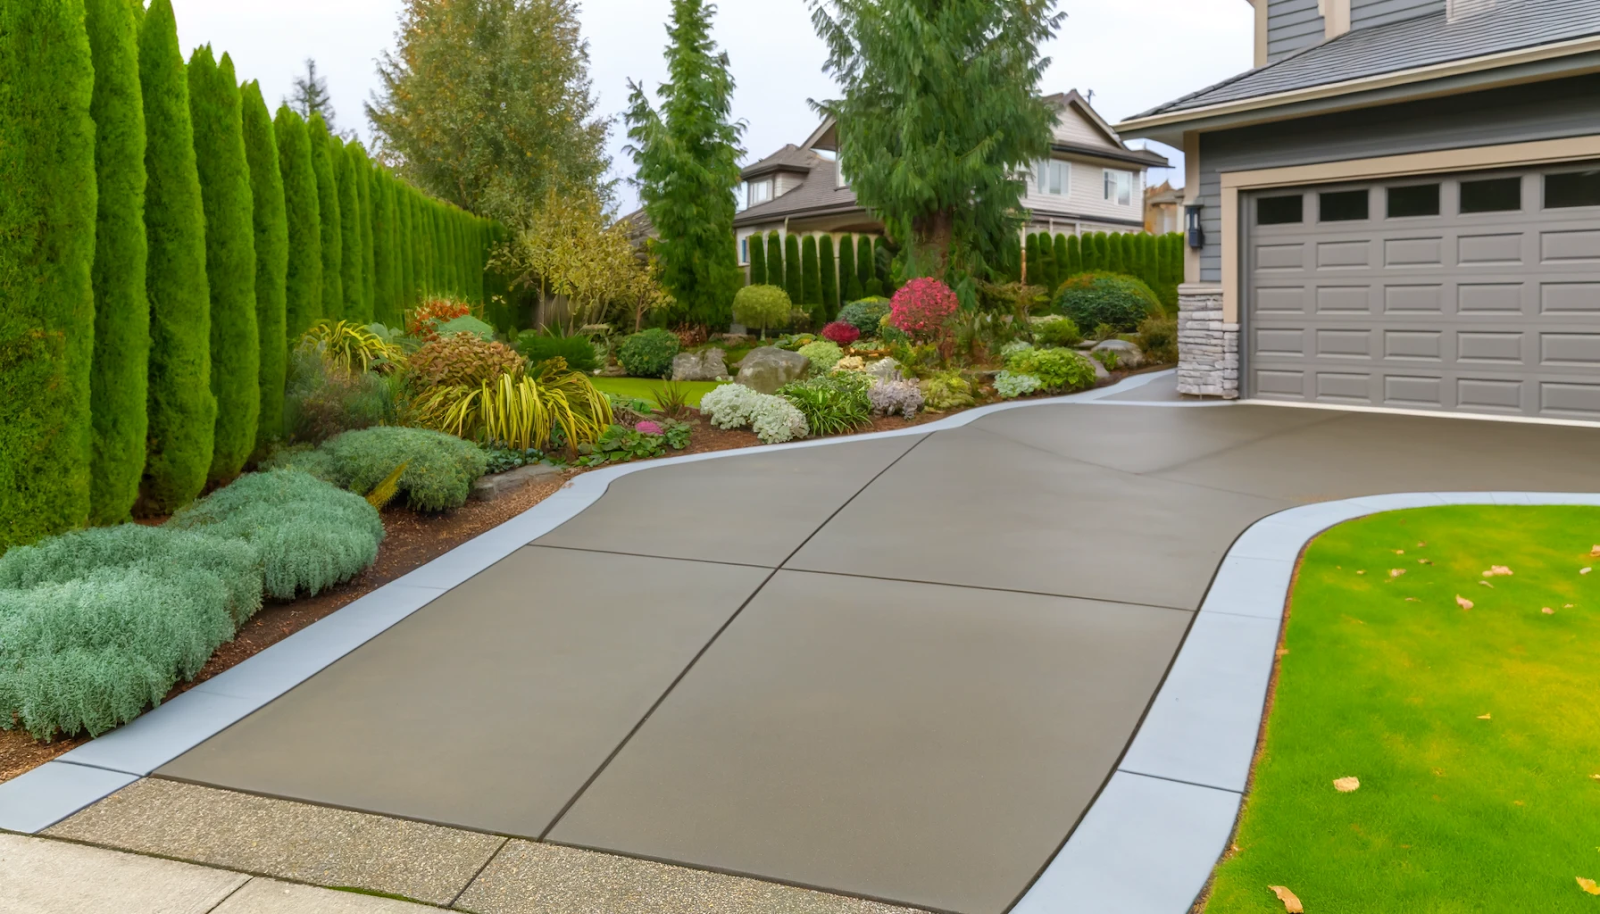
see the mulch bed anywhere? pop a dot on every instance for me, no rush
(411, 541)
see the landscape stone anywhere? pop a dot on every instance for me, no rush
(769, 368)
(1128, 355)
(707, 365)
(500, 485)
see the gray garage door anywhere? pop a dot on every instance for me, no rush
(1474, 293)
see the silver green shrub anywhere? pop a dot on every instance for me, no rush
(440, 468)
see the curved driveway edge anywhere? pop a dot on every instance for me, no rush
(50, 793)
(1149, 842)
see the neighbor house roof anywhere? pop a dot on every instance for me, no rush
(789, 158)
(820, 193)
(1426, 41)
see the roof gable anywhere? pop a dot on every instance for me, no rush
(1078, 124)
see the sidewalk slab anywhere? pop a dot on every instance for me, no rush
(39, 876)
(269, 896)
(315, 844)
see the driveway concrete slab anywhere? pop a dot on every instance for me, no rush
(490, 707)
(269, 896)
(39, 876)
(530, 878)
(912, 743)
(315, 844)
(1145, 440)
(1368, 453)
(972, 508)
(752, 510)
(1178, 830)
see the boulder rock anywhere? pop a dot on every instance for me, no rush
(707, 365)
(500, 485)
(1128, 355)
(769, 368)
(1100, 373)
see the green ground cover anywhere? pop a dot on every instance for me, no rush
(646, 388)
(1472, 729)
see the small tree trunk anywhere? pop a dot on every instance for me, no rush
(935, 233)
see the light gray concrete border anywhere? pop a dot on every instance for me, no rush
(57, 789)
(1149, 842)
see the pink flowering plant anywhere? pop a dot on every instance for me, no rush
(648, 428)
(923, 309)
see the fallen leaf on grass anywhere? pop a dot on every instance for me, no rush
(1396, 572)
(1399, 552)
(1585, 570)
(1292, 905)
(1423, 562)
(1282, 651)
(1487, 584)
(1412, 600)
(1347, 785)
(1594, 553)
(1463, 602)
(1422, 545)
(1548, 611)
(1588, 885)
(1496, 570)
(1361, 572)
(1484, 716)
(1568, 606)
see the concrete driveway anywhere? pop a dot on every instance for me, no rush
(898, 668)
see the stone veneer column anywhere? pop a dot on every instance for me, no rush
(1208, 348)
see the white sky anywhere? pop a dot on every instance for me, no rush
(1134, 54)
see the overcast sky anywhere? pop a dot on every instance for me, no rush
(1134, 54)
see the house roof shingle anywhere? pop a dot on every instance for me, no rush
(789, 158)
(819, 193)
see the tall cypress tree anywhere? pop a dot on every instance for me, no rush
(323, 163)
(268, 217)
(688, 166)
(775, 260)
(1031, 252)
(866, 268)
(369, 251)
(408, 251)
(47, 255)
(1116, 262)
(830, 278)
(182, 410)
(121, 361)
(218, 117)
(794, 276)
(350, 255)
(1074, 255)
(303, 211)
(1063, 260)
(1049, 273)
(758, 260)
(383, 256)
(849, 281)
(811, 275)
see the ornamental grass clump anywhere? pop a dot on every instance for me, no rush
(521, 411)
(922, 309)
(889, 397)
(833, 404)
(309, 535)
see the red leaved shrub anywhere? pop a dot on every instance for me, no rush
(424, 322)
(923, 308)
(841, 332)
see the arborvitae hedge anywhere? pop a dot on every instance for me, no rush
(218, 117)
(830, 278)
(774, 260)
(369, 269)
(758, 260)
(849, 280)
(272, 259)
(811, 276)
(407, 243)
(47, 252)
(794, 277)
(1031, 253)
(1074, 255)
(350, 254)
(324, 163)
(866, 263)
(1049, 270)
(383, 257)
(182, 410)
(303, 212)
(1063, 259)
(121, 361)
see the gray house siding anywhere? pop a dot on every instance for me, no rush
(1542, 111)
(1368, 13)
(1291, 26)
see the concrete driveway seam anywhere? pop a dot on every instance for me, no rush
(1149, 841)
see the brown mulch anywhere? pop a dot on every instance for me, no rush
(411, 541)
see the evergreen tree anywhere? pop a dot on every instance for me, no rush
(121, 362)
(849, 279)
(1115, 261)
(1074, 255)
(811, 276)
(774, 261)
(182, 411)
(1031, 255)
(407, 249)
(1063, 260)
(882, 259)
(369, 252)
(940, 114)
(830, 278)
(302, 209)
(1049, 272)
(866, 264)
(794, 276)
(269, 218)
(309, 97)
(217, 113)
(1013, 267)
(350, 256)
(385, 261)
(688, 155)
(323, 163)
(47, 257)
(1094, 252)
(758, 260)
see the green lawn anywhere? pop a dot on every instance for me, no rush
(1475, 733)
(645, 388)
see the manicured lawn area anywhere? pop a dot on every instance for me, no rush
(645, 388)
(1474, 732)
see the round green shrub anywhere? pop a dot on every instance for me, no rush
(648, 354)
(822, 354)
(310, 535)
(865, 314)
(762, 307)
(537, 346)
(1057, 331)
(1057, 369)
(440, 468)
(1092, 299)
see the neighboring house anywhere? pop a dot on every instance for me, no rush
(1401, 209)
(1163, 209)
(1092, 182)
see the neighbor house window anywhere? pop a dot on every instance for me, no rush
(1053, 177)
(744, 250)
(760, 192)
(1119, 187)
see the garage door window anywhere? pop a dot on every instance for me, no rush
(1281, 210)
(1573, 188)
(1496, 195)
(1413, 201)
(1345, 206)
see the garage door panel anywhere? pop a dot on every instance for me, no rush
(1493, 312)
